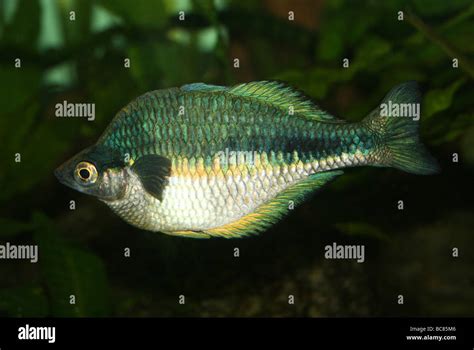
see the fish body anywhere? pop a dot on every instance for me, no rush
(205, 160)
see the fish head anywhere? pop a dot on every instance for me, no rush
(97, 171)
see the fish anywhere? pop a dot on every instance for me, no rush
(205, 160)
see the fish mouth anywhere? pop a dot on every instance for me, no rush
(65, 176)
(59, 175)
(62, 176)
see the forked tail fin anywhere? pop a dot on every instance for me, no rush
(396, 122)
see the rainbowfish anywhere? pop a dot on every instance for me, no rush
(213, 161)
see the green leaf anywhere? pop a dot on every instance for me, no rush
(467, 146)
(36, 160)
(20, 106)
(438, 100)
(80, 28)
(317, 81)
(331, 44)
(461, 35)
(12, 227)
(187, 65)
(437, 8)
(23, 29)
(458, 128)
(69, 271)
(371, 53)
(140, 13)
(362, 229)
(23, 302)
(206, 8)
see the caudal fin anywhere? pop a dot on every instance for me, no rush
(396, 122)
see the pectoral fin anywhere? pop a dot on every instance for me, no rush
(153, 172)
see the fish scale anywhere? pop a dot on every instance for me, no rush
(205, 160)
(257, 136)
(231, 195)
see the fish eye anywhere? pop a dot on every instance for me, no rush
(86, 173)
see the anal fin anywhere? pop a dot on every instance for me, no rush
(189, 234)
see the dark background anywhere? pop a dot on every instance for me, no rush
(81, 251)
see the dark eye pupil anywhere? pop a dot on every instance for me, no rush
(84, 174)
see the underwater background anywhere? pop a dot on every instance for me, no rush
(409, 252)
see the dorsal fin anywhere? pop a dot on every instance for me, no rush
(274, 92)
(203, 87)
